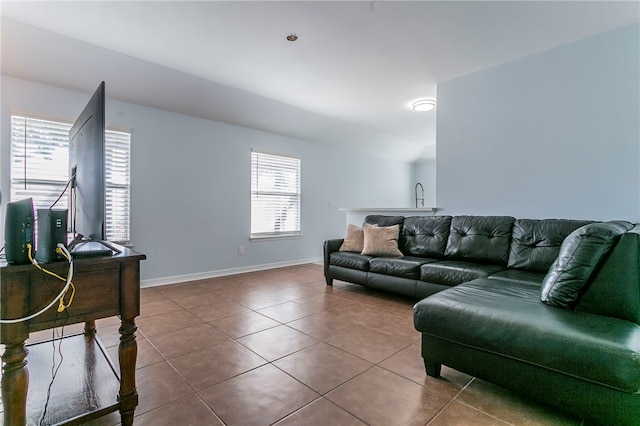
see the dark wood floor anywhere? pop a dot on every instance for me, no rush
(280, 347)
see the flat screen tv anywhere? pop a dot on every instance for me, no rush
(87, 171)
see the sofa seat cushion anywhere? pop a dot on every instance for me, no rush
(350, 260)
(450, 272)
(534, 278)
(511, 321)
(405, 267)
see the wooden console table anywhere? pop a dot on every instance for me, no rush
(105, 287)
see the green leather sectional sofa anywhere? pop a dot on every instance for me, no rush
(548, 308)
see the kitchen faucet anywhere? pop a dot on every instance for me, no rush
(422, 194)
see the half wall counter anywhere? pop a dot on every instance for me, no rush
(356, 215)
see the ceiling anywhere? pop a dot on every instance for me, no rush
(348, 80)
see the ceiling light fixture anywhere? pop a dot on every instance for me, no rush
(423, 105)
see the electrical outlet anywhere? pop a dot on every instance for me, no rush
(240, 250)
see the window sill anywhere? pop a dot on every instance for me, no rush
(273, 237)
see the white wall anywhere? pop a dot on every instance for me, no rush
(190, 185)
(555, 134)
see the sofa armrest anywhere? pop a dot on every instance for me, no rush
(329, 247)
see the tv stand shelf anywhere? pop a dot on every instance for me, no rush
(85, 387)
(89, 387)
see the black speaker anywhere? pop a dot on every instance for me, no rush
(52, 229)
(18, 231)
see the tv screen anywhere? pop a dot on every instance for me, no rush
(87, 164)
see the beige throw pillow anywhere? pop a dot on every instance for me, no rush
(354, 240)
(381, 240)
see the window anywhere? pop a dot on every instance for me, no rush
(275, 195)
(40, 169)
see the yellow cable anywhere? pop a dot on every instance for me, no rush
(61, 294)
(61, 305)
(35, 263)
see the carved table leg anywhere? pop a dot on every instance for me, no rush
(127, 353)
(15, 382)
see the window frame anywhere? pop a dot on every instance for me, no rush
(121, 185)
(255, 191)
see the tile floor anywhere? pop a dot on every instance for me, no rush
(280, 347)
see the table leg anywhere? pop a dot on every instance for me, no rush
(127, 353)
(15, 382)
(90, 328)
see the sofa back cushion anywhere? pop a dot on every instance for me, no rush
(425, 236)
(382, 220)
(535, 244)
(581, 254)
(614, 290)
(480, 239)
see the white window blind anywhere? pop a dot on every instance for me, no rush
(40, 169)
(275, 195)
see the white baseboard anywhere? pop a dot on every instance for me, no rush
(224, 272)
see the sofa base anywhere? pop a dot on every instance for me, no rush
(433, 369)
(399, 285)
(345, 274)
(424, 289)
(590, 401)
(404, 286)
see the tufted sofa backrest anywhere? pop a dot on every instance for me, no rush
(382, 220)
(425, 236)
(480, 239)
(535, 243)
